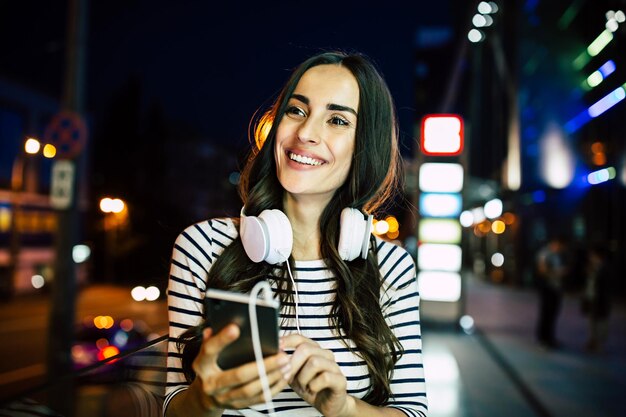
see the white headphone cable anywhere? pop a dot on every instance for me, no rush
(295, 288)
(256, 342)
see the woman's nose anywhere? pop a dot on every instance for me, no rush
(309, 131)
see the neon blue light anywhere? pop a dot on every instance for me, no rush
(607, 68)
(539, 196)
(577, 122)
(601, 175)
(607, 102)
(440, 204)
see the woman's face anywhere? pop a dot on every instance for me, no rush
(315, 138)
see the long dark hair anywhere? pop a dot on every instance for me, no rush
(370, 184)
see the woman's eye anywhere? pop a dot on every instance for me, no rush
(296, 111)
(339, 121)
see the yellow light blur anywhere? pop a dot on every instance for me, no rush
(103, 322)
(262, 130)
(108, 352)
(49, 151)
(5, 219)
(32, 146)
(498, 227)
(394, 226)
(393, 235)
(485, 226)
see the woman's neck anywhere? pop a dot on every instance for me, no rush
(304, 217)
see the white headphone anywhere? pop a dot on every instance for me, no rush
(269, 236)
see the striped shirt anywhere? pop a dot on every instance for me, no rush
(198, 246)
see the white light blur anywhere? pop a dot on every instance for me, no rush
(443, 381)
(467, 324)
(439, 257)
(37, 281)
(466, 218)
(439, 231)
(611, 25)
(138, 293)
(557, 159)
(152, 293)
(497, 259)
(440, 204)
(381, 227)
(439, 286)
(620, 16)
(493, 208)
(479, 215)
(32, 146)
(475, 36)
(81, 253)
(441, 177)
(484, 7)
(479, 20)
(112, 205)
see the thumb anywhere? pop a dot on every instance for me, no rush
(212, 345)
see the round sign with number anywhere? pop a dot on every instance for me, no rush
(68, 133)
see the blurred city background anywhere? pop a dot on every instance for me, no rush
(122, 122)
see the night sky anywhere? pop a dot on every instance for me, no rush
(212, 64)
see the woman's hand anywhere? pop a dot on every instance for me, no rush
(317, 378)
(235, 388)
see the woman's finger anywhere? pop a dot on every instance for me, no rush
(252, 392)
(212, 345)
(249, 372)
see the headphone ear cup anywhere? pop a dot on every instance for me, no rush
(280, 236)
(267, 237)
(354, 234)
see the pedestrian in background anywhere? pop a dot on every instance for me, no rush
(596, 297)
(552, 268)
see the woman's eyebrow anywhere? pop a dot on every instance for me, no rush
(339, 107)
(330, 106)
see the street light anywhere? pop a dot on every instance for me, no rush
(115, 220)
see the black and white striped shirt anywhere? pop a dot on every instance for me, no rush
(196, 249)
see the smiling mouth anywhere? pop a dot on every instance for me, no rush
(304, 160)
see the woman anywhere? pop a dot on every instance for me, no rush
(351, 341)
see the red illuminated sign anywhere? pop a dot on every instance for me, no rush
(442, 135)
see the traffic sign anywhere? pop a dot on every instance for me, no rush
(67, 131)
(61, 190)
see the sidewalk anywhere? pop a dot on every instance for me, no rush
(565, 382)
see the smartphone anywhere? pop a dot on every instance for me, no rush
(225, 307)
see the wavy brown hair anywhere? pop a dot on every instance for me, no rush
(371, 182)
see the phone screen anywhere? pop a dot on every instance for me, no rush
(225, 307)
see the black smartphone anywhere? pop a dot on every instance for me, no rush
(225, 307)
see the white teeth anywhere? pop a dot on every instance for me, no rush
(304, 159)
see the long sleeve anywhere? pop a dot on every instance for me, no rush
(194, 252)
(400, 303)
